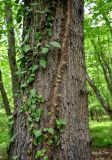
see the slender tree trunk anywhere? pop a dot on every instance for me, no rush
(4, 97)
(62, 83)
(11, 49)
(106, 72)
(103, 102)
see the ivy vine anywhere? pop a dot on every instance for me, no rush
(31, 98)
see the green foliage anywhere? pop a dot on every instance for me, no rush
(49, 130)
(4, 133)
(37, 133)
(46, 158)
(40, 154)
(55, 44)
(98, 47)
(15, 158)
(97, 30)
(26, 48)
(101, 133)
(34, 68)
(45, 50)
(43, 63)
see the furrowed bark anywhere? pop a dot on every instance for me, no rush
(11, 49)
(4, 97)
(103, 102)
(62, 83)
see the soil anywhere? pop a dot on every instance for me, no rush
(102, 154)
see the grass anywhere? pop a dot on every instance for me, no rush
(101, 133)
(4, 133)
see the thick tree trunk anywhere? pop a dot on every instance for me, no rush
(103, 102)
(4, 97)
(62, 84)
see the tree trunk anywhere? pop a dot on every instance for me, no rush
(4, 97)
(103, 102)
(11, 49)
(61, 83)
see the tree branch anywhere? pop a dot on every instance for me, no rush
(103, 102)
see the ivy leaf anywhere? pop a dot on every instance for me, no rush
(39, 112)
(33, 93)
(60, 123)
(41, 99)
(33, 107)
(55, 44)
(26, 38)
(30, 80)
(40, 153)
(23, 85)
(20, 72)
(30, 119)
(49, 130)
(15, 157)
(37, 133)
(46, 158)
(37, 119)
(45, 50)
(43, 63)
(26, 48)
(34, 68)
(38, 36)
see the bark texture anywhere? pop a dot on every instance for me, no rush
(4, 97)
(69, 95)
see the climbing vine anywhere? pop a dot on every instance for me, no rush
(49, 135)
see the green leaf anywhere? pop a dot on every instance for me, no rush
(23, 85)
(14, 157)
(41, 99)
(40, 153)
(49, 32)
(43, 63)
(46, 158)
(33, 93)
(39, 112)
(26, 48)
(45, 50)
(33, 107)
(34, 68)
(26, 38)
(30, 80)
(20, 73)
(49, 130)
(30, 119)
(38, 36)
(55, 44)
(37, 119)
(37, 133)
(60, 122)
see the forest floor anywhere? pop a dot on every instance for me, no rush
(102, 154)
(99, 154)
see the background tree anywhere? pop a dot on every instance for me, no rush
(52, 85)
(97, 46)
